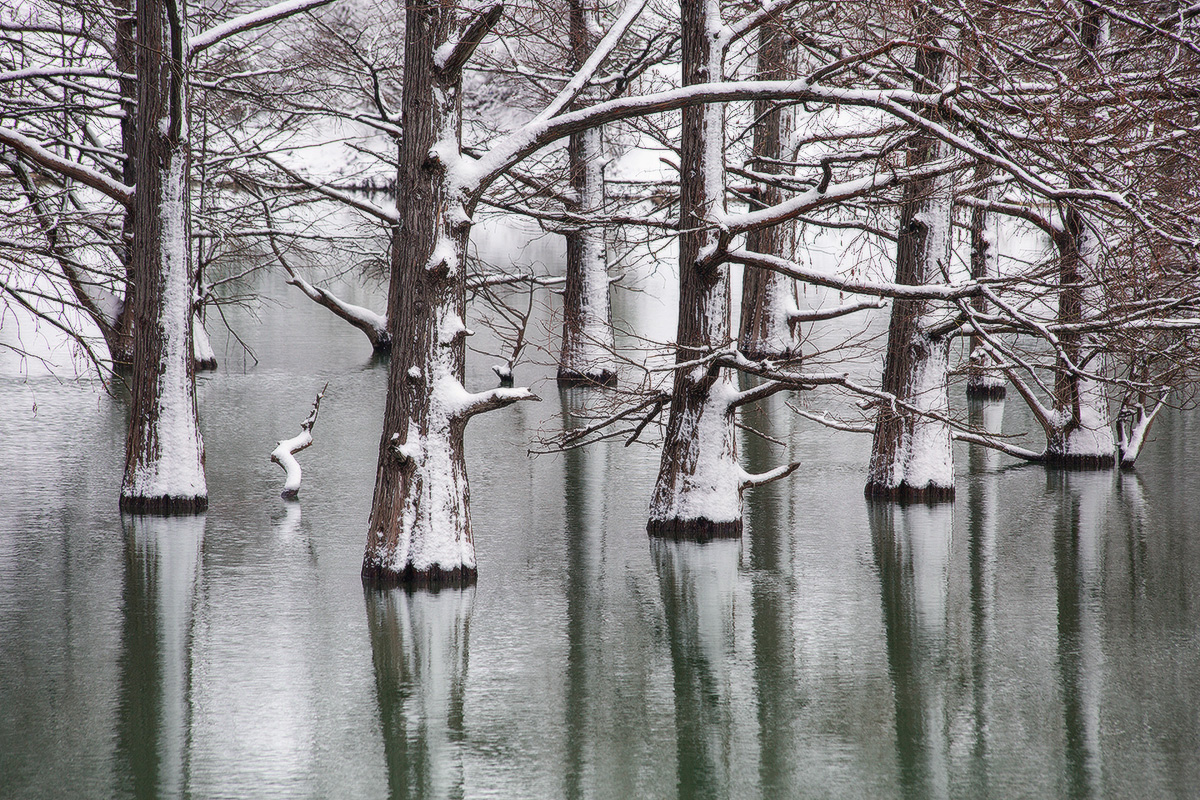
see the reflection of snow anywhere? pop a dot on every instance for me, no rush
(289, 527)
(168, 552)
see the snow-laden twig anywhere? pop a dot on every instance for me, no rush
(749, 480)
(583, 75)
(245, 22)
(88, 177)
(285, 453)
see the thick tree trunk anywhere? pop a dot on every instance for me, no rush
(587, 357)
(769, 299)
(911, 453)
(697, 494)
(164, 465)
(1081, 434)
(420, 528)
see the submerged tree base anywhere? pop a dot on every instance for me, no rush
(907, 493)
(164, 505)
(693, 530)
(410, 577)
(570, 379)
(987, 391)
(206, 364)
(1081, 462)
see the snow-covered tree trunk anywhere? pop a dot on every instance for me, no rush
(164, 465)
(587, 357)
(698, 494)
(1081, 430)
(984, 381)
(911, 453)
(769, 299)
(420, 527)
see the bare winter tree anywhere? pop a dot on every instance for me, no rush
(164, 470)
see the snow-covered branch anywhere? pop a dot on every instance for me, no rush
(453, 55)
(69, 169)
(285, 452)
(901, 291)
(750, 480)
(246, 22)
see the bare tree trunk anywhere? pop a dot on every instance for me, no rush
(587, 357)
(697, 494)
(420, 528)
(120, 337)
(1082, 433)
(769, 299)
(911, 453)
(984, 381)
(164, 465)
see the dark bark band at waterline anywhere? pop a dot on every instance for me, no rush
(693, 530)
(434, 577)
(570, 379)
(987, 391)
(163, 505)
(907, 493)
(1079, 462)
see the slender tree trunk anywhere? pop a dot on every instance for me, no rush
(984, 382)
(420, 528)
(697, 494)
(119, 338)
(164, 466)
(587, 357)
(911, 453)
(769, 299)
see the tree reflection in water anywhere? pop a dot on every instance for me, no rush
(419, 642)
(912, 552)
(698, 582)
(162, 558)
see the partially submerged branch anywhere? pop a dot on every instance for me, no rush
(285, 453)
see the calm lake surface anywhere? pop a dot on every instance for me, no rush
(1039, 637)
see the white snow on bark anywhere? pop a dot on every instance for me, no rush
(283, 455)
(713, 489)
(175, 468)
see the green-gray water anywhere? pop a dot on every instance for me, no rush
(1037, 638)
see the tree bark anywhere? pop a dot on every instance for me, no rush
(164, 465)
(420, 527)
(911, 452)
(768, 298)
(984, 381)
(1082, 433)
(587, 357)
(697, 494)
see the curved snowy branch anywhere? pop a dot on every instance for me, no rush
(69, 169)
(246, 22)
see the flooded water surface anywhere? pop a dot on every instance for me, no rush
(1038, 637)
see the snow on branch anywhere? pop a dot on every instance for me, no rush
(820, 314)
(452, 56)
(585, 73)
(388, 215)
(482, 402)
(749, 480)
(285, 453)
(69, 169)
(245, 22)
(901, 291)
